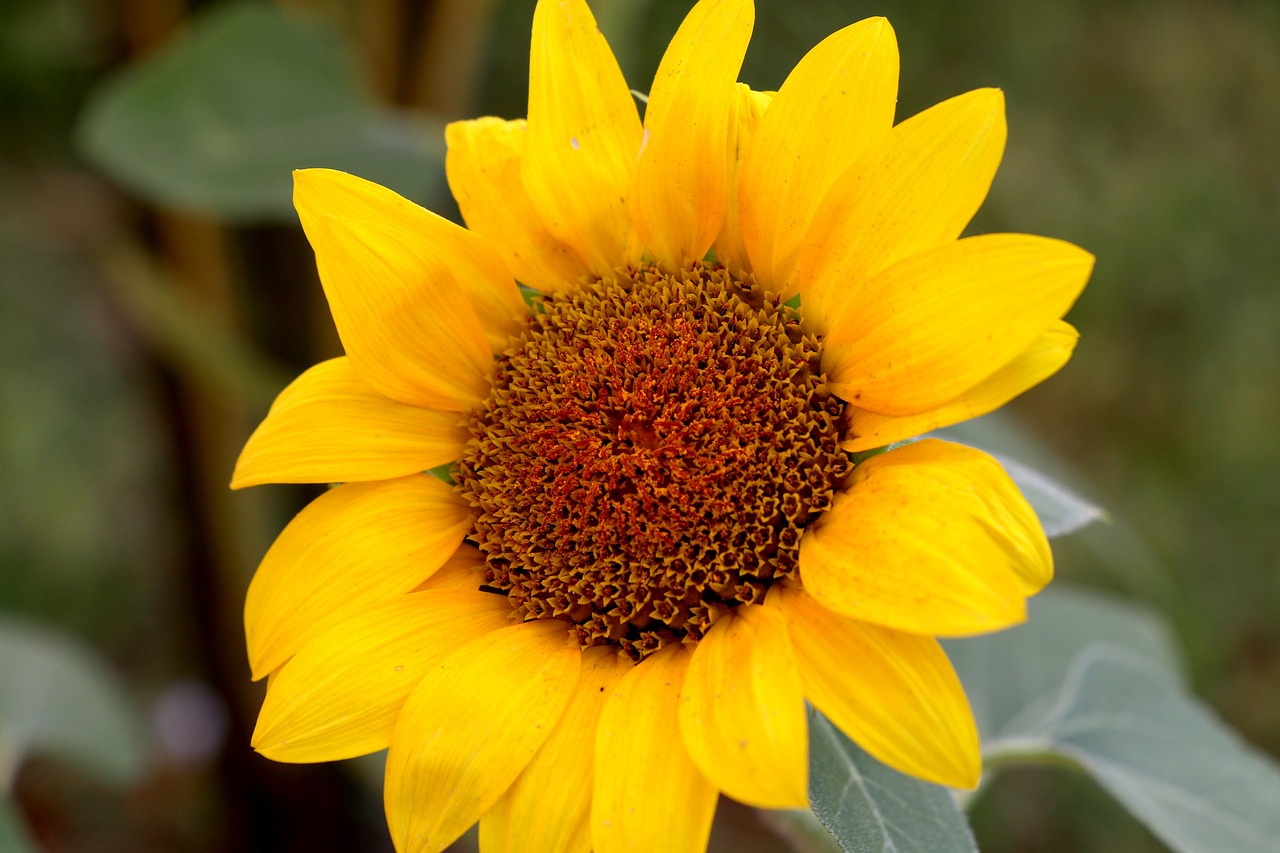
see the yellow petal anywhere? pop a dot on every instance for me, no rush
(464, 570)
(352, 546)
(894, 694)
(404, 320)
(477, 271)
(648, 794)
(329, 426)
(1011, 521)
(742, 711)
(681, 183)
(471, 726)
(340, 695)
(930, 328)
(1036, 364)
(583, 136)
(916, 189)
(837, 103)
(483, 166)
(931, 538)
(548, 809)
(747, 107)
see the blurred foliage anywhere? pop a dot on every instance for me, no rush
(138, 344)
(83, 505)
(220, 119)
(56, 697)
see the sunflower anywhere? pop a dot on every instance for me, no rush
(661, 362)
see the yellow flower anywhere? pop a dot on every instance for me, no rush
(658, 546)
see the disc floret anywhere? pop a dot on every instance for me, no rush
(653, 447)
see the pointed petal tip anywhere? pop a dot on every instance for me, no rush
(1075, 263)
(260, 741)
(1084, 257)
(245, 475)
(306, 180)
(258, 668)
(987, 99)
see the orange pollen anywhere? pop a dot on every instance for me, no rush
(650, 453)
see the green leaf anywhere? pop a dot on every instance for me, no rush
(1095, 683)
(57, 697)
(1162, 754)
(800, 830)
(218, 119)
(1013, 677)
(869, 807)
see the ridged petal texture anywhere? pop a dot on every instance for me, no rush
(583, 136)
(742, 711)
(835, 104)
(549, 806)
(472, 725)
(931, 538)
(933, 326)
(747, 108)
(916, 189)
(340, 695)
(649, 795)
(484, 167)
(892, 692)
(330, 426)
(353, 546)
(397, 296)
(1045, 357)
(681, 184)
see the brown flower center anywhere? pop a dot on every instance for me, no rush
(651, 450)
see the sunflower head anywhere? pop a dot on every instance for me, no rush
(666, 526)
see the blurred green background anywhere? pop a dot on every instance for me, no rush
(155, 293)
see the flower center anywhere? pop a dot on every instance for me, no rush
(651, 450)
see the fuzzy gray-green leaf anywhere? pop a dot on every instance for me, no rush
(869, 807)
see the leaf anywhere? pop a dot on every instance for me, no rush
(1061, 509)
(56, 697)
(1162, 754)
(218, 119)
(1013, 677)
(800, 830)
(869, 807)
(1096, 683)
